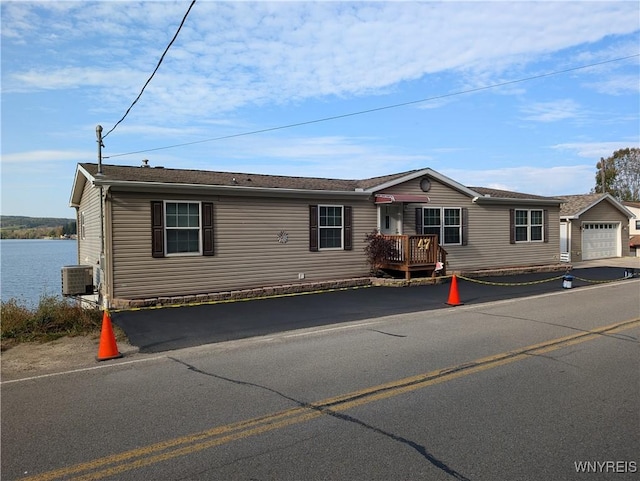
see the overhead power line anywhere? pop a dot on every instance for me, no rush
(378, 109)
(154, 70)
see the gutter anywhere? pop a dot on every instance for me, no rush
(511, 200)
(135, 186)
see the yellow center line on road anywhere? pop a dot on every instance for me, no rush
(186, 445)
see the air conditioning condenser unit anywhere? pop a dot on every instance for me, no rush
(77, 280)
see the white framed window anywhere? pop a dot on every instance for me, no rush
(445, 222)
(529, 225)
(330, 226)
(182, 227)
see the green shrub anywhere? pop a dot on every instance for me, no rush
(53, 318)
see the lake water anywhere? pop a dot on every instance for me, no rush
(30, 269)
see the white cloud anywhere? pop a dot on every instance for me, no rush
(559, 180)
(47, 156)
(231, 54)
(596, 150)
(552, 111)
(333, 157)
(616, 85)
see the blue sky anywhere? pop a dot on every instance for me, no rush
(239, 67)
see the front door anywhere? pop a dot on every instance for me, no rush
(391, 219)
(565, 255)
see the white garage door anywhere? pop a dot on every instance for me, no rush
(600, 240)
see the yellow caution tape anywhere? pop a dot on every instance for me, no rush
(478, 281)
(437, 278)
(599, 282)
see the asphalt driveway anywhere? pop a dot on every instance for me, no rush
(164, 329)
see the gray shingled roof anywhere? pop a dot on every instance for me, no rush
(574, 204)
(206, 177)
(159, 175)
(506, 194)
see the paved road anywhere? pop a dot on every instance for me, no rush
(516, 390)
(158, 330)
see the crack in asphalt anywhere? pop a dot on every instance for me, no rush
(621, 337)
(386, 333)
(553, 358)
(422, 450)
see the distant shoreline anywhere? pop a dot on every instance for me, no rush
(74, 238)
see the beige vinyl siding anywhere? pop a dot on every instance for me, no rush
(488, 231)
(89, 248)
(489, 245)
(602, 212)
(576, 240)
(247, 251)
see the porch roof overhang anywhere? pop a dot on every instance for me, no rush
(400, 198)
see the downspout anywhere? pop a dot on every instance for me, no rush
(78, 239)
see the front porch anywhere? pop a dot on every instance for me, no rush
(415, 253)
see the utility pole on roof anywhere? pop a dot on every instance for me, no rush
(100, 145)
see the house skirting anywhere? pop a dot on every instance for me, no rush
(508, 271)
(311, 287)
(238, 295)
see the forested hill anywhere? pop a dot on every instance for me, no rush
(20, 227)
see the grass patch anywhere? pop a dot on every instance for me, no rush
(54, 317)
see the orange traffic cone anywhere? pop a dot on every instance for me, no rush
(454, 297)
(108, 348)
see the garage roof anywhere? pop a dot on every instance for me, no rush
(574, 206)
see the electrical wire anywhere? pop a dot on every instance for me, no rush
(154, 71)
(378, 109)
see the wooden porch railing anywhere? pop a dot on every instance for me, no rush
(415, 253)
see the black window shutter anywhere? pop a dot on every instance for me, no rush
(207, 229)
(465, 226)
(313, 228)
(157, 229)
(545, 220)
(512, 226)
(348, 228)
(419, 218)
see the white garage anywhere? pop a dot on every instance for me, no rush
(593, 226)
(600, 240)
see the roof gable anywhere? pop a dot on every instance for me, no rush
(576, 205)
(397, 179)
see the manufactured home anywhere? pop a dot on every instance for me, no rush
(155, 235)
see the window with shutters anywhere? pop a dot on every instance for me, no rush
(528, 225)
(330, 227)
(182, 228)
(445, 222)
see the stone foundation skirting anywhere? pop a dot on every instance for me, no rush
(242, 294)
(309, 287)
(510, 271)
